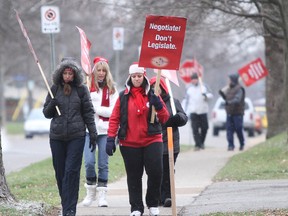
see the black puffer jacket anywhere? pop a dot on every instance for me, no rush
(178, 120)
(76, 109)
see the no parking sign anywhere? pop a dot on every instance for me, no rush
(50, 19)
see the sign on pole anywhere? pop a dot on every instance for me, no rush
(118, 38)
(253, 72)
(162, 42)
(189, 67)
(50, 19)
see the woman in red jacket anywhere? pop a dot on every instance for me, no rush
(140, 141)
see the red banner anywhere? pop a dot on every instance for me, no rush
(253, 72)
(85, 48)
(188, 68)
(162, 42)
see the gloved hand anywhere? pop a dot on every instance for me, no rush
(173, 120)
(205, 96)
(110, 146)
(53, 102)
(156, 102)
(92, 144)
(50, 108)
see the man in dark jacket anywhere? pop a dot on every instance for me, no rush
(234, 96)
(177, 120)
(68, 129)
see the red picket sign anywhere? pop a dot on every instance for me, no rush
(253, 72)
(162, 42)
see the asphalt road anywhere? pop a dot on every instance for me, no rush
(19, 152)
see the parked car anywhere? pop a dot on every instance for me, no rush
(36, 124)
(260, 118)
(219, 117)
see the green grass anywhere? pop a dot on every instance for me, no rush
(14, 128)
(268, 160)
(37, 181)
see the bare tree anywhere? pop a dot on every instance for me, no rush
(5, 194)
(273, 17)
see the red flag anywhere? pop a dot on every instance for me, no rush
(169, 74)
(85, 48)
(253, 72)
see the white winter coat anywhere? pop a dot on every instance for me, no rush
(96, 97)
(194, 101)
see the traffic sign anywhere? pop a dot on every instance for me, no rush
(118, 38)
(188, 68)
(50, 19)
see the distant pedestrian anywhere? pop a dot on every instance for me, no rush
(103, 95)
(234, 96)
(67, 131)
(140, 140)
(177, 120)
(197, 107)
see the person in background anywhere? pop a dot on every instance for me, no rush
(197, 106)
(103, 95)
(140, 140)
(177, 120)
(67, 130)
(234, 96)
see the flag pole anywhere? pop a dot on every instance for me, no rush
(171, 151)
(198, 73)
(156, 93)
(35, 57)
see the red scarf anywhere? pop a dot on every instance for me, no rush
(105, 101)
(138, 95)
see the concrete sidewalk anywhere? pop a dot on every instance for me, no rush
(194, 172)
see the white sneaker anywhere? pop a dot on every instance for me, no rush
(136, 213)
(90, 194)
(154, 211)
(102, 202)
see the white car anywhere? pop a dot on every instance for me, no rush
(219, 117)
(36, 124)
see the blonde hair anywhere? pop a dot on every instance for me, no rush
(108, 78)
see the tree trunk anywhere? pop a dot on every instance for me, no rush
(285, 19)
(5, 194)
(276, 83)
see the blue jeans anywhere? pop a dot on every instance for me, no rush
(67, 161)
(234, 123)
(90, 161)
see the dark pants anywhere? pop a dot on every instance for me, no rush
(199, 124)
(136, 159)
(67, 161)
(165, 186)
(234, 123)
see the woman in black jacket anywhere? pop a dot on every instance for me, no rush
(177, 120)
(67, 130)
